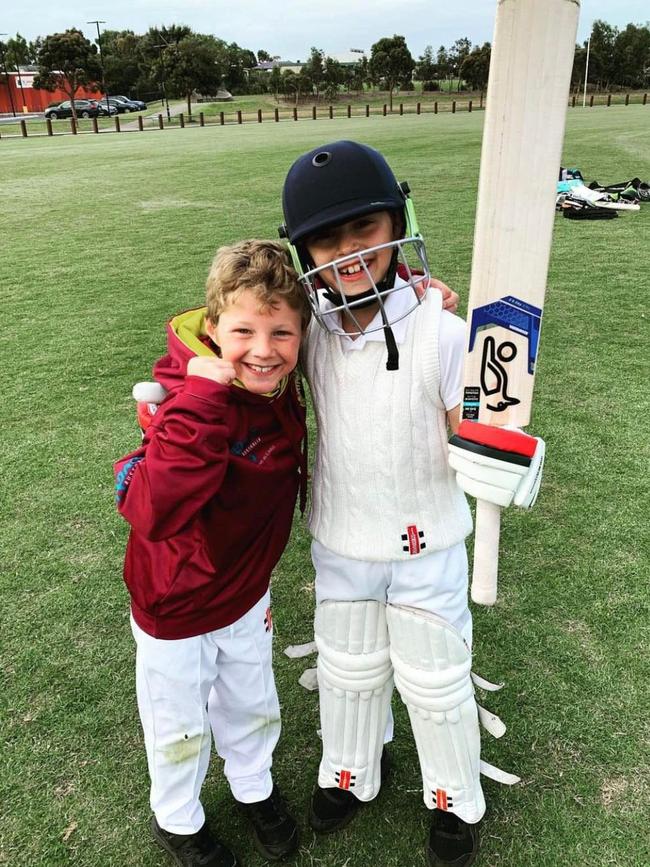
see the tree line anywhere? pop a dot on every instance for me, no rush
(176, 61)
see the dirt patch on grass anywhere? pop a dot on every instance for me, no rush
(625, 794)
(589, 646)
(174, 204)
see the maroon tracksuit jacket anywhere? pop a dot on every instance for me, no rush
(210, 497)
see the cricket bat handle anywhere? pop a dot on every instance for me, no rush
(486, 553)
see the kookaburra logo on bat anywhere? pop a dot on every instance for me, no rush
(499, 356)
(494, 374)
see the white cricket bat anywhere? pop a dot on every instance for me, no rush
(527, 99)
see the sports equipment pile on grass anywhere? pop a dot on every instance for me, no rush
(103, 238)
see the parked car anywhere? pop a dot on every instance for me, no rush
(84, 108)
(117, 107)
(134, 104)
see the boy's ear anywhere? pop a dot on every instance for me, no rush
(399, 225)
(211, 331)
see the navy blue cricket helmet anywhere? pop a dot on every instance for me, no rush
(334, 183)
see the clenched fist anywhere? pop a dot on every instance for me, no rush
(212, 368)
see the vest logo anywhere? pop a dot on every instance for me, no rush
(344, 779)
(413, 539)
(442, 800)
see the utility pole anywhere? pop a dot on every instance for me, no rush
(101, 63)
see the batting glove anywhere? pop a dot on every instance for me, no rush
(500, 465)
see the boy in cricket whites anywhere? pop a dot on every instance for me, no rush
(388, 518)
(210, 497)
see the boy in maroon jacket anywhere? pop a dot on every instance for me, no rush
(210, 497)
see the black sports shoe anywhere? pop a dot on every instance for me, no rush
(194, 850)
(275, 833)
(332, 809)
(452, 842)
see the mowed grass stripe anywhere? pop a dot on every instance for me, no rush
(103, 239)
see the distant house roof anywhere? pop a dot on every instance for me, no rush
(270, 64)
(347, 57)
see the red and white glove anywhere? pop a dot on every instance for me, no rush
(497, 464)
(148, 396)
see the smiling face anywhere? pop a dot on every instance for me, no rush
(356, 235)
(261, 343)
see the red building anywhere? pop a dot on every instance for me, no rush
(19, 89)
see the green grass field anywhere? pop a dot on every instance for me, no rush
(103, 238)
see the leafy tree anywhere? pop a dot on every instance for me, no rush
(240, 62)
(426, 67)
(314, 69)
(364, 71)
(263, 56)
(578, 70)
(171, 35)
(304, 84)
(67, 61)
(391, 61)
(632, 56)
(456, 57)
(13, 54)
(442, 63)
(275, 81)
(602, 63)
(258, 81)
(196, 62)
(354, 76)
(290, 84)
(333, 77)
(18, 52)
(128, 66)
(476, 66)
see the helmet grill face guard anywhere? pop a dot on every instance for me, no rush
(409, 262)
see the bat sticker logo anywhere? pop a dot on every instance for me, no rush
(515, 315)
(492, 363)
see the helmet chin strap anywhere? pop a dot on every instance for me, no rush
(367, 299)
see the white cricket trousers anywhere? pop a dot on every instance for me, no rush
(221, 682)
(436, 582)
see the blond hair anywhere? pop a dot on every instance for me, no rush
(261, 267)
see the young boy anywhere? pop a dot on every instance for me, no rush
(210, 497)
(388, 519)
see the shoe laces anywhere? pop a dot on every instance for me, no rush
(448, 823)
(202, 845)
(268, 813)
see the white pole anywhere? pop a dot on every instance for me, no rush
(584, 95)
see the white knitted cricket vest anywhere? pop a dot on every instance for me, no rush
(382, 487)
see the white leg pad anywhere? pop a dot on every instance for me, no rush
(355, 682)
(432, 673)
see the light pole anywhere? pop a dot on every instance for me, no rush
(584, 94)
(4, 65)
(101, 63)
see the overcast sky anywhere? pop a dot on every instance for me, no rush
(290, 27)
